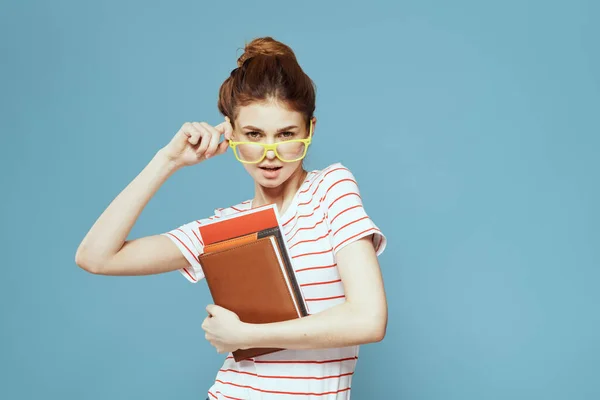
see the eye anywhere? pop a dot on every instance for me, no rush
(253, 135)
(287, 135)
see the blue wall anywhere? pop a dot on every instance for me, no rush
(472, 129)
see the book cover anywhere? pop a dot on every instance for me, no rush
(248, 270)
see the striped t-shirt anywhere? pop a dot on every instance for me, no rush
(325, 215)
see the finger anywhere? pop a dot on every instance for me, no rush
(210, 309)
(217, 309)
(228, 129)
(205, 138)
(192, 133)
(214, 141)
(184, 129)
(214, 310)
(225, 128)
(220, 128)
(223, 146)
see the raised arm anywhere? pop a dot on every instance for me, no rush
(105, 249)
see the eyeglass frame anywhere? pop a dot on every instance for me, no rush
(273, 147)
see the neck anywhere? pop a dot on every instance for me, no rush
(281, 195)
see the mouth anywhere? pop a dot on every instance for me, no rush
(270, 172)
(268, 168)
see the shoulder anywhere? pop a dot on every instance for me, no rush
(327, 176)
(335, 179)
(335, 173)
(335, 170)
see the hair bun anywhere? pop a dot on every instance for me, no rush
(265, 46)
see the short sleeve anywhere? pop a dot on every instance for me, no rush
(188, 240)
(348, 221)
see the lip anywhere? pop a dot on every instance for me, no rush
(269, 166)
(270, 174)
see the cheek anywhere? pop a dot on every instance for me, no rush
(291, 167)
(251, 168)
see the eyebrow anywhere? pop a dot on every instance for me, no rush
(287, 128)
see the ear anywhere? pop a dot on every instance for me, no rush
(314, 124)
(232, 124)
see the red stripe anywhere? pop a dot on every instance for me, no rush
(317, 188)
(188, 236)
(350, 223)
(237, 209)
(314, 192)
(279, 392)
(358, 234)
(187, 248)
(303, 229)
(341, 212)
(198, 237)
(310, 254)
(188, 274)
(311, 240)
(342, 196)
(210, 393)
(304, 361)
(336, 183)
(326, 298)
(301, 216)
(327, 173)
(320, 267)
(321, 283)
(286, 377)
(228, 397)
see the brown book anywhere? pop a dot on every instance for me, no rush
(252, 276)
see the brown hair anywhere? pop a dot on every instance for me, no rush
(267, 70)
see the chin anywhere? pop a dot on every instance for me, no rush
(269, 183)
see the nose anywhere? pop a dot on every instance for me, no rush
(270, 155)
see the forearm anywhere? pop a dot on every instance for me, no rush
(109, 232)
(340, 326)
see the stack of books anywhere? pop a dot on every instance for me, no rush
(248, 270)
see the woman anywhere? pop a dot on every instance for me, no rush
(333, 243)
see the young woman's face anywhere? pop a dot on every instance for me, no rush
(269, 122)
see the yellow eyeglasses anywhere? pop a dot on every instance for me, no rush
(286, 151)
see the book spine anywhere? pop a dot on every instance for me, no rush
(288, 266)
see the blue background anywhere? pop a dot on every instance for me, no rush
(471, 127)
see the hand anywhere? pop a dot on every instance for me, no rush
(224, 330)
(197, 141)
